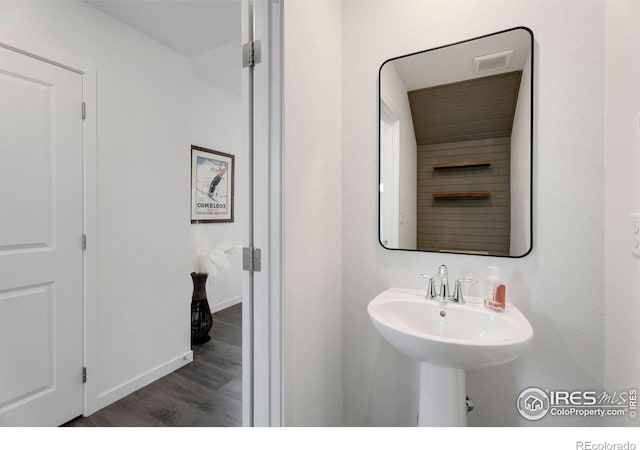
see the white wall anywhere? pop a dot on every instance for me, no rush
(144, 286)
(622, 195)
(559, 287)
(520, 167)
(221, 66)
(312, 211)
(395, 96)
(216, 124)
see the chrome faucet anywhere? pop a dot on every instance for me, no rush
(443, 293)
(457, 296)
(443, 274)
(431, 288)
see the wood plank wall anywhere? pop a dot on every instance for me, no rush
(465, 224)
(465, 121)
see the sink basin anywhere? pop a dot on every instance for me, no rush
(467, 337)
(447, 339)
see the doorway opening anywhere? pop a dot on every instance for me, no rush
(156, 79)
(204, 40)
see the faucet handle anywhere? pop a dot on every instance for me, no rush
(467, 280)
(431, 287)
(457, 290)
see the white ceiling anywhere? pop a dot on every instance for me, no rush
(455, 63)
(190, 27)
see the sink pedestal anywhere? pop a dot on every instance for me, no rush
(442, 397)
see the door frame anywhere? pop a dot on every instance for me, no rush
(263, 356)
(90, 217)
(392, 182)
(89, 210)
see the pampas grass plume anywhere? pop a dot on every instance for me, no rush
(211, 260)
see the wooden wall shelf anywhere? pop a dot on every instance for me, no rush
(444, 195)
(462, 164)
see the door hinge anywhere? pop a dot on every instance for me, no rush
(84, 110)
(251, 52)
(84, 374)
(251, 259)
(84, 242)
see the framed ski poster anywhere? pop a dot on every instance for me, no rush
(211, 186)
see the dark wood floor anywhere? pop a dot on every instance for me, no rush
(204, 393)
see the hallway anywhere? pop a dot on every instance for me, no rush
(205, 393)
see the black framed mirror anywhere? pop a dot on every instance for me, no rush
(456, 147)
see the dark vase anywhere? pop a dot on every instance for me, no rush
(201, 319)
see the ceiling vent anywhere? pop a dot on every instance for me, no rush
(494, 61)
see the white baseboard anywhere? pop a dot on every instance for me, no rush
(215, 307)
(128, 387)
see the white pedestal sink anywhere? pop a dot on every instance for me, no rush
(447, 339)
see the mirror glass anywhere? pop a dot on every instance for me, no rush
(456, 147)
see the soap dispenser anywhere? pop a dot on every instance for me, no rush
(495, 291)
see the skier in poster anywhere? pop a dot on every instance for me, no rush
(216, 180)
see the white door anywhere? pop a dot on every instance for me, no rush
(40, 242)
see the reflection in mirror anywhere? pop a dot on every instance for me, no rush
(456, 147)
